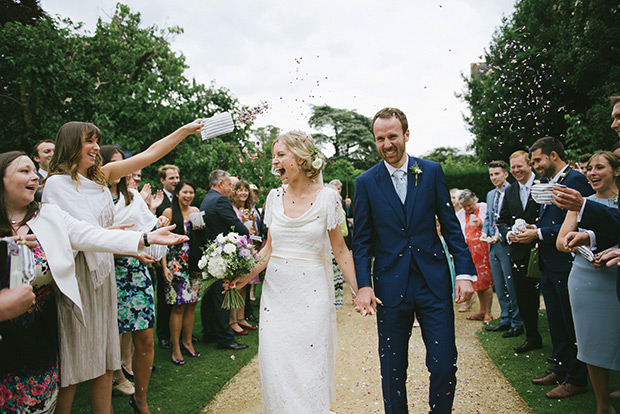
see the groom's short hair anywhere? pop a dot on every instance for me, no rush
(388, 112)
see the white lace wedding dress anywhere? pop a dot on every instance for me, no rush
(297, 336)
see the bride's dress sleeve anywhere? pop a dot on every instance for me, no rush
(269, 204)
(334, 207)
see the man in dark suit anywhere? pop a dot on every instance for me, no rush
(169, 178)
(499, 254)
(219, 218)
(42, 153)
(548, 159)
(396, 202)
(518, 204)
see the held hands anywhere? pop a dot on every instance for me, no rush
(29, 240)
(366, 301)
(463, 290)
(567, 198)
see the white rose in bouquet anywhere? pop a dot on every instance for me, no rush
(229, 248)
(233, 237)
(217, 267)
(221, 238)
(202, 263)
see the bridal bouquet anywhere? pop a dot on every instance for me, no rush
(226, 258)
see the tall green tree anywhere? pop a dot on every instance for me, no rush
(346, 132)
(549, 70)
(125, 78)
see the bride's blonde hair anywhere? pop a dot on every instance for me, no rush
(303, 147)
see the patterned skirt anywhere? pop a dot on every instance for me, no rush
(134, 290)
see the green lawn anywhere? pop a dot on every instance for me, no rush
(520, 369)
(188, 388)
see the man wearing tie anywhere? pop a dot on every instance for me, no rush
(169, 178)
(548, 159)
(396, 202)
(499, 253)
(518, 204)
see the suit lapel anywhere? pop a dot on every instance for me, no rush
(386, 186)
(412, 189)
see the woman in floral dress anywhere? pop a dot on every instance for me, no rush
(182, 289)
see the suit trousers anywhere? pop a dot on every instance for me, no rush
(436, 317)
(528, 299)
(215, 320)
(554, 286)
(499, 253)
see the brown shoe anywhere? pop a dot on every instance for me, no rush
(550, 379)
(565, 390)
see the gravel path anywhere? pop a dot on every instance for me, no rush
(481, 388)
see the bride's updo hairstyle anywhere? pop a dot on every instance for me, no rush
(303, 147)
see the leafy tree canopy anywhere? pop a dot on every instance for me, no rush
(347, 133)
(549, 71)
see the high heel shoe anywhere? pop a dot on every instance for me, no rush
(134, 404)
(187, 351)
(179, 361)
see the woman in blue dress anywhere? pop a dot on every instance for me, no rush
(592, 288)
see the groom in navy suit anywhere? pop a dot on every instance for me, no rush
(396, 203)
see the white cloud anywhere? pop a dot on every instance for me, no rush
(354, 54)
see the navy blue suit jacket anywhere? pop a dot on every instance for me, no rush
(550, 222)
(605, 222)
(220, 216)
(401, 237)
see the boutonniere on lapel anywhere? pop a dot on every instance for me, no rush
(563, 176)
(536, 182)
(615, 199)
(415, 170)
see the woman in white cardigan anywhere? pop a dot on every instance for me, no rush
(29, 350)
(78, 184)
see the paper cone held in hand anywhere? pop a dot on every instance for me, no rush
(218, 124)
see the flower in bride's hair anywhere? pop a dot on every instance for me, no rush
(317, 163)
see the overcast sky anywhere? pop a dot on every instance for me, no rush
(355, 54)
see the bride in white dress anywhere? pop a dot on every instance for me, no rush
(297, 335)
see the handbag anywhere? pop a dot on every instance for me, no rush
(533, 267)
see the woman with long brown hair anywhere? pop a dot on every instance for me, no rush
(77, 182)
(29, 349)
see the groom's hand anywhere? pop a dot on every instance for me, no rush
(463, 290)
(366, 301)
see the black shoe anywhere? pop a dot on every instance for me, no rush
(498, 328)
(528, 346)
(252, 318)
(194, 339)
(133, 404)
(165, 344)
(512, 332)
(235, 346)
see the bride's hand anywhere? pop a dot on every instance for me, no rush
(366, 301)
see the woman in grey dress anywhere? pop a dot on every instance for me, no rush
(592, 288)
